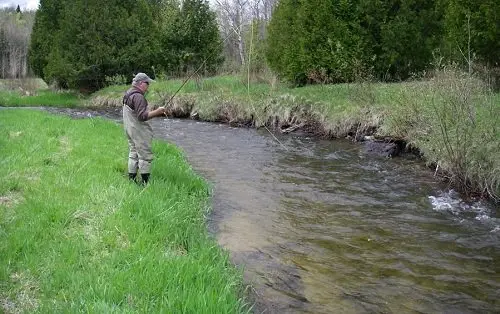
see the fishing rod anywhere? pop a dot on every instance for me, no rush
(191, 75)
(248, 86)
(185, 81)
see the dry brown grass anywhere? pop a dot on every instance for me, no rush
(24, 297)
(11, 199)
(103, 101)
(25, 86)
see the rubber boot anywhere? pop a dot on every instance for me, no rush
(132, 176)
(145, 178)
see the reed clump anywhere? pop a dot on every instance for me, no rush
(453, 119)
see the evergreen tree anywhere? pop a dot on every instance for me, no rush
(115, 37)
(199, 37)
(401, 35)
(314, 41)
(329, 40)
(168, 35)
(45, 28)
(334, 40)
(120, 38)
(283, 48)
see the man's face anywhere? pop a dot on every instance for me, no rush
(144, 86)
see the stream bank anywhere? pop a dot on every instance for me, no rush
(321, 226)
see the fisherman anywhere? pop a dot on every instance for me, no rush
(139, 133)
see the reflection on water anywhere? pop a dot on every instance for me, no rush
(320, 227)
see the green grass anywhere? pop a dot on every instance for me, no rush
(40, 98)
(77, 236)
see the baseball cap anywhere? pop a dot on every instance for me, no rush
(142, 77)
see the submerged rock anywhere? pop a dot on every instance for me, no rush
(383, 149)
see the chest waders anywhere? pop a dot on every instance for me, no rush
(140, 136)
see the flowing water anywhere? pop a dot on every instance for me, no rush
(322, 227)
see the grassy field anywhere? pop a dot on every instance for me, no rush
(35, 92)
(77, 236)
(41, 98)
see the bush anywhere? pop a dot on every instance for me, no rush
(454, 120)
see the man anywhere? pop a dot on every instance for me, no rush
(137, 128)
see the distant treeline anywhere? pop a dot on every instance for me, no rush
(89, 44)
(338, 40)
(86, 43)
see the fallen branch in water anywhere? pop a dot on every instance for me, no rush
(292, 128)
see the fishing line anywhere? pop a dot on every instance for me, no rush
(185, 81)
(248, 81)
(248, 87)
(192, 74)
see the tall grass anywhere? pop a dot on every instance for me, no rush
(40, 98)
(23, 85)
(454, 121)
(77, 236)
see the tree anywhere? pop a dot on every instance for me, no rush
(200, 40)
(315, 41)
(256, 47)
(400, 35)
(232, 14)
(334, 40)
(329, 40)
(115, 38)
(120, 38)
(243, 25)
(45, 29)
(282, 51)
(168, 21)
(473, 27)
(3, 53)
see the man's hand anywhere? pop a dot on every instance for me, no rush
(158, 112)
(162, 110)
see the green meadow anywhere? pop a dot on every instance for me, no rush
(77, 236)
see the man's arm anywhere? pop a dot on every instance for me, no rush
(160, 111)
(142, 109)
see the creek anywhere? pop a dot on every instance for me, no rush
(321, 226)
